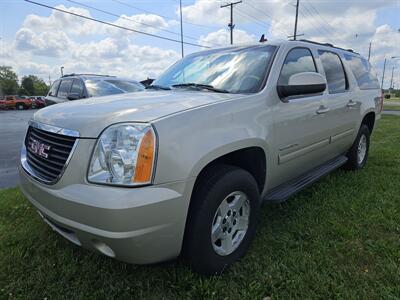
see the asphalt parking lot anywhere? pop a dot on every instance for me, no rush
(13, 124)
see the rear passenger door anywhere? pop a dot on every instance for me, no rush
(340, 101)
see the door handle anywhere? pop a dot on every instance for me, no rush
(322, 110)
(351, 103)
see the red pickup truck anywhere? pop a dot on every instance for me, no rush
(17, 102)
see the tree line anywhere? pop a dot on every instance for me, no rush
(30, 85)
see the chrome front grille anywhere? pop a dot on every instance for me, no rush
(46, 152)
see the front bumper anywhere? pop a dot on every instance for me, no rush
(137, 225)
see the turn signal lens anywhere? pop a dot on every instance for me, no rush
(145, 159)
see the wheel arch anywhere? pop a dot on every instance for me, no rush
(252, 158)
(369, 120)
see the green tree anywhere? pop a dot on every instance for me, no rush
(8, 81)
(34, 85)
(27, 84)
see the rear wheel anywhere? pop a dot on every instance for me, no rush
(358, 153)
(222, 219)
(20, 106)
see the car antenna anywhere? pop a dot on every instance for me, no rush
(263, 39)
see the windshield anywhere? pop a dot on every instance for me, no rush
(234, 70)
(101, 87)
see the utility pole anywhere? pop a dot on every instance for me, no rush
(369, 50)
(295, 22)
(383, 74)
(391, 79)
(61, 69)
(231, 25)
(180, 9)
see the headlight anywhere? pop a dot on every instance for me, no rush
(124, 154)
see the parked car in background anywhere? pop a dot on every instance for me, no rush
(79, 86)
(2, 103)
(17, 102)
(38, 101)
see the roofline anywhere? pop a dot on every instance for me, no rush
(85, 74)
(326, 45)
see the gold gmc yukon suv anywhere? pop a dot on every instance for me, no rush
(182, 168)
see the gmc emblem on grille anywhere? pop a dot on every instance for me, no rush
(39, 148)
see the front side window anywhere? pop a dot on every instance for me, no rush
(361, 70)
(334, 71)
(64, 88)
(54, 88)
(235, 70)
(298, 60)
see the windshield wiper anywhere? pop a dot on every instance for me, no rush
(200, 86)
(157, 87)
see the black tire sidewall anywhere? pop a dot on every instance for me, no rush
(200, 251)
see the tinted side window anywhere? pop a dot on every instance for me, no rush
(361, 70)
(9, 98)
(77, 87)
(64, 89)
(298, 60)
(54, 88)
(334, 71)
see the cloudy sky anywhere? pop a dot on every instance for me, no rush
(38, 40)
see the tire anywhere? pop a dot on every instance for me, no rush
(203, 255)
(20, 106)
(358, 154)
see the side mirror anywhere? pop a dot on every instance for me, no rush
(303, 84)
(73, 96)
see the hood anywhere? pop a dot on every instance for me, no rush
(91, 116)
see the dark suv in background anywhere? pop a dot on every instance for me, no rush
(79, 86)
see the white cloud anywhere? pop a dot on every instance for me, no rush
(48, 43)
(66, 22)
(222, 37)
(56, 40)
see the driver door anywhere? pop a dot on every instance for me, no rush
(301, 139)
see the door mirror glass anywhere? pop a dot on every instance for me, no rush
(304, 83)
(73, 96)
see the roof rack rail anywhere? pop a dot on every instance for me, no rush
(327, 45)
(86, 74)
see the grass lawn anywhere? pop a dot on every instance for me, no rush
(391, 107)
(339, 238)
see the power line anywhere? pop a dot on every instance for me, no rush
(163, 16)
(258, 21)
(114, 25)
(333, 30)
(315, 26)
(264, 13)
(330, 31)
(129, 19)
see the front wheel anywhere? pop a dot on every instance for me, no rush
(358, 153)
(222, 219)
(20, 106)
